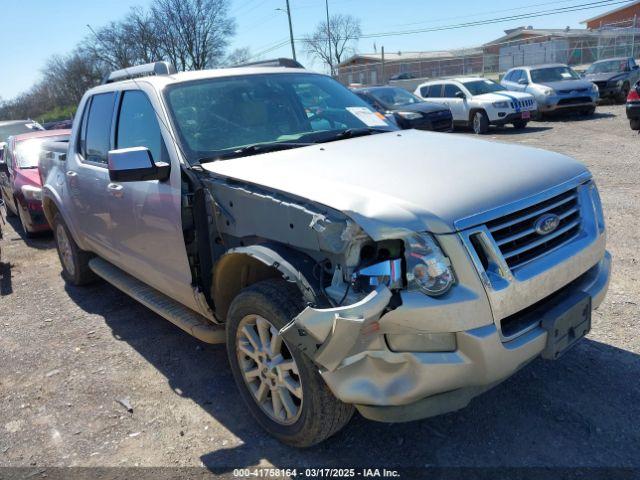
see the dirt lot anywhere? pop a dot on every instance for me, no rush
(68, 355)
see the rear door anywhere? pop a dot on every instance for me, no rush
(87, 175)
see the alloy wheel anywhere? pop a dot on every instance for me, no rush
(269, 370)
(64, 247)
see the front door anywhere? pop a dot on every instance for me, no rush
(146, 216)
(456, 104)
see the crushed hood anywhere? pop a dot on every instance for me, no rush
(409, 180)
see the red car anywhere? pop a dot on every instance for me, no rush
(20, 182)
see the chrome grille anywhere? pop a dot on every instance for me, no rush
(516, 235)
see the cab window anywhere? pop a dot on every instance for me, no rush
(435, 91)
(97, 136)
(138, 124)
(450, 90)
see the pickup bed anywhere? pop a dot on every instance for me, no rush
(345, 264)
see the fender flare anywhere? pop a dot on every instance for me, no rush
(294, 266)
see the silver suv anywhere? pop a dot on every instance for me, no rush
(343, 262)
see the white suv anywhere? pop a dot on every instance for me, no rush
(480, 102)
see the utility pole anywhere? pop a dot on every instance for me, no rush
(384, 81)
(293, 46)
(326, 4)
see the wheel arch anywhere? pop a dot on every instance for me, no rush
(243, 266)
(51, 207)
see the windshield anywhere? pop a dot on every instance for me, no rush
(553, 74)
(479, 87)
(610, 66)
(394, 97)
(216, 116)
(28, 151)
(11, 129)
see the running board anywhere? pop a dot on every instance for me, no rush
(181, 316)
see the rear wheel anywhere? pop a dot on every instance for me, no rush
(480, 123)
(7, 208)
(75, 262)
(519, 124)
(281, 386)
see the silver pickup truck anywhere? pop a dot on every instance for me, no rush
(343, 262)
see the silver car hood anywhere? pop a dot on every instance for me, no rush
(409, 180)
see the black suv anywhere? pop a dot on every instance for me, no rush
(614, 77)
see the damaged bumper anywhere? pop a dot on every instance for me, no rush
(393, 386)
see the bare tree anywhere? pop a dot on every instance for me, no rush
(193, 33)
(238, 56)
(343, 34)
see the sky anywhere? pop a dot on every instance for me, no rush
(34, 30)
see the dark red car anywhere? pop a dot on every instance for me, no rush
(20, 182)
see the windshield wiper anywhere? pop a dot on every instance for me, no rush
(352, 133)
(254, 149)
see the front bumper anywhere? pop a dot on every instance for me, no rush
(436, 383)
(566, 102)
(514, 117)
(32, 215)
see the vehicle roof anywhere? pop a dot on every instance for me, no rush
(469, 79)
(40, 134)
(376, 87)
(160, 81)
(544, 65)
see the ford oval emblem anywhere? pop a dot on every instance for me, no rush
(547, 223)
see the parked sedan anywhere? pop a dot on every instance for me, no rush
(406, 109)
(556, 87)
(20, 182)
(633, 107)
(614, 77)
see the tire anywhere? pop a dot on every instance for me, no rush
(520, 124)
(590, 111)
(7, 209)
(480, 123)
(75, 262)
(317, 414)
(27, 233)
(624, 91)
(634, 123)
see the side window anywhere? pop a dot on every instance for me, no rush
(516, 75)
(435, 91)
(632, 64)
(138, 125)
(450, 90)
(424, 92)
(508, 77)
(97, 137)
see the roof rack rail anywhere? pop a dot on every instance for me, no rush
(274, 62)
(157, 68)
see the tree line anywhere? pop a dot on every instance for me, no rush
(191, 34)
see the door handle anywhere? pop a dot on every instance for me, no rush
(71, 173)
(116, 189)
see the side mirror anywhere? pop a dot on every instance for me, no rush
(135, 165)
(523, 81)
(460, 95)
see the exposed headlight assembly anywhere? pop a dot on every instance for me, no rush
(410, 115)
(501, 104)
(428, 269)
(31, 193)
(548, 91)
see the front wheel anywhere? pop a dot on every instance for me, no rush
(634, 123)
(624, 92)
(519, 124)
(7, 209)
(480, 123)
(75, 262)
(281, 386)
(590, 111)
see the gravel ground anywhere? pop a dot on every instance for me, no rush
(71, 357)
